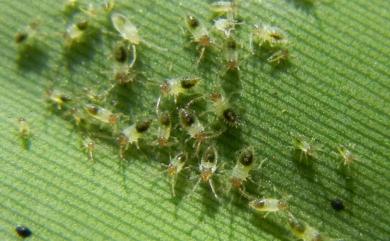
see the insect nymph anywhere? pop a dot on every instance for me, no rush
(207, 168)
(241, 171)
(132, 134)
(175, 167)
(268, 205)
(199, 34)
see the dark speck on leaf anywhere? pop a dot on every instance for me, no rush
(23, 231)
(337, 204)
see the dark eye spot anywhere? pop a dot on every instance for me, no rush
(83, 25)
(23, 231)
(142, 126)
(231, 44)
(186, 118)
(277, 36)
(259, 203)
(230, 116)
(165, 119)
(65, 98)
(93, 110)
(337, 204)
(297, 226)
(210, 155)
(192, 22)
(20, 37)
(246, 158)
(120, 54)
(188, 83)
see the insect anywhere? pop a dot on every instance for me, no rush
(75, 33)
(58, 98)
(241, 171)
(131, 135)
(199, 34)
(194, 128)
(164, 129)
(303, 231)
(281, 55)
(26, 37)
(24, 129)
(231, 55)
(347, 156)
(25, 133)
(207, 168)
(102, 115)
(89, 145)
(175, 167)
(177, 86)
(337, 204)
(268, 36)
(129, 33)
(123, 72)
(23, 231)
(268, 205)
(224, 110)
(305, 147)
(225, 26)
(228, 8)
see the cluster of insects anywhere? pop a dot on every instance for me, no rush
(185, 122)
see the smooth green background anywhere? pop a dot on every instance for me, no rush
(336, 90)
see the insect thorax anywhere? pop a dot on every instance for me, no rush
(206, 174)
(204, 41)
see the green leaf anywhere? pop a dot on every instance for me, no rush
(335, 89)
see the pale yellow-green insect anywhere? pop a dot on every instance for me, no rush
(175, 167)
(268, 36)
(228, 8)
(24, 128)
(207, 168)
(224, 110)
(89, 146)
(227, 23)
(57, 97)
(199, 34)
(175, 87)
(280, 56)
(194, 128)
(304, 231)
(129, 33)
(268, 205)
(75, 33)
(306, 147)
(346, 154)
(241, 171)
(131, 135)
(102, 115)
(164, 129)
